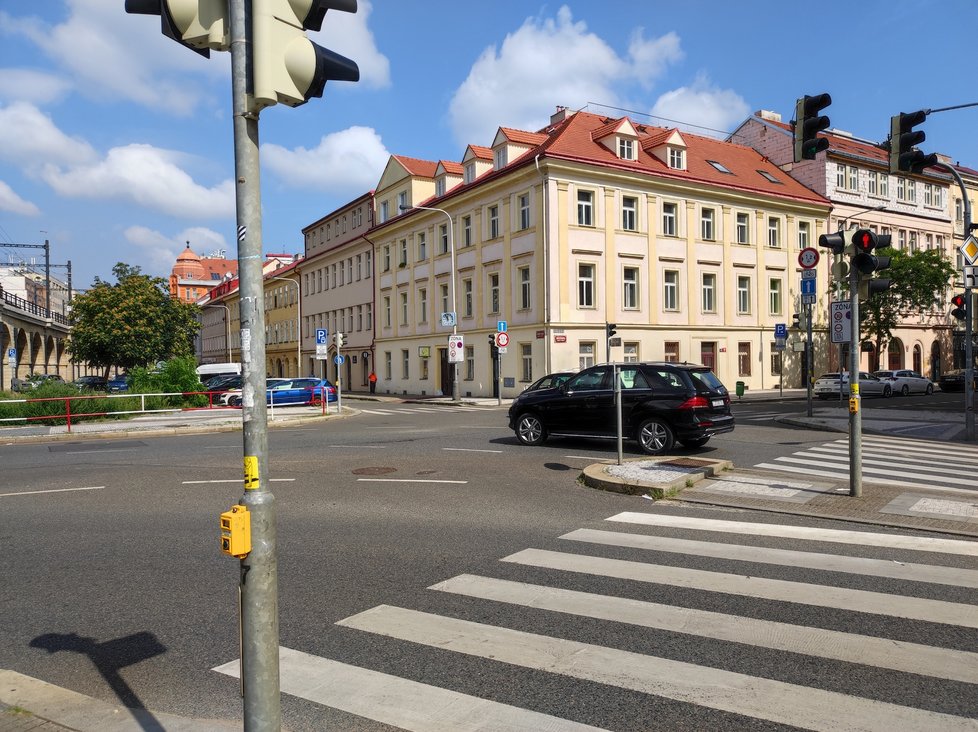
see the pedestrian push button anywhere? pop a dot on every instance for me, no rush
(236, 532)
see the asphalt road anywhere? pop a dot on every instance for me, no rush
(115, 587)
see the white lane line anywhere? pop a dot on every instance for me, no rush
(586, 457)
(53, 490)
(378, 411)
(752, 696)
(468, 449)
(398, 702)
(235, 480)
(840, 598)
(787, 557)
(941, 663)
(408, 480)
(362, 447)
(85, 452)
(836, 536)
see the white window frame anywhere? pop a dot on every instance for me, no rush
(523, 206)
(630, 289)
(585, 208)
(670, 218)
(677, 158)
(586, 272)
(493, 214)
(743, 228)
(708, 292)
(494, 299)
(708, 224)
(626, 148)
(526, 301)
(775, 295)
(629, 213)
(743, 295)
(670, 290)
(774, 232)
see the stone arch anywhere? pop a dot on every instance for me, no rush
(894, 354)
(918, 358)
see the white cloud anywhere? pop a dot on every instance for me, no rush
(547, 62)
(29, 138)
(702, 105)
(348, 35)
(145, 175)
(349, 162)
(10, 201)
(30, 85)
(161, 251)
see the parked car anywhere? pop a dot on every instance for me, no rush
(905, 381)
(550, 380)
(305, 390)
(119, 383)
(91, 383)
(662, 403)
(829, 386)
(34, 381)
(954, 380)
(220, 384)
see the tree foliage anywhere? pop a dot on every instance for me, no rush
(131, 323)
(919, 282)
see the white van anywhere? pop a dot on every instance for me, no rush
(209, 370)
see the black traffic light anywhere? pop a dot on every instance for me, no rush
(864, 241)
(796, 321)
(493, 348)
(808, 123)
(610, 329)
(903, 141)
(960, 303)
(836, 242)
(200, 25)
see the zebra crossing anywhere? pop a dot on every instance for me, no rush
(411, 409)
(769, 612)
(896, 461)
(758, 416)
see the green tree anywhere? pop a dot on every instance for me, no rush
(919, 281)
(131, 323)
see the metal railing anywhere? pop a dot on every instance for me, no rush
(32, 308)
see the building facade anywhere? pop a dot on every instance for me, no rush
(193, 276)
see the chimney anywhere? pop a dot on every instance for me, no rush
(768, 115)
(560, 115)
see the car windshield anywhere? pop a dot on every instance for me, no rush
(707, 378)
(829, 377)
(883, 374)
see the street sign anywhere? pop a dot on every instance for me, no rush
(456, 349)
(781, 330)
(502, 339)
(338, 360)
(779, 344)
(809, 274)
(322, 336)
(840, 316)
(808, 287)
(501, 350)
(808, 299)
(808, 257)
(12, 356)
(969, 250)
(448, 320)
(501, 326)
(971, 276)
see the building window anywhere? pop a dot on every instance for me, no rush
(444, 298)
(440, 187)
(775, 300)
(669, 214)
(467, 297)
(422, 247)
(928, 194)
(774, 231)
(743, 228)
(671, 352)
(709, 293)
(853, 178)
(630, 353)
(958, 209)
(384, 211)
(901, 189)
(585, 355)
(871, 182)
(526, 362)
(707, 224)
(387, 365)
(401, 204)
(424, 369)
(499, 158)
(469, 363)
(367, 265)
(775, 359)
(884, 185)
(626, 148)
(585, 208)
(359, 267)
(585, 285)
(387, 311)
(423, 305)
(469, 174)
(743, 295)
(840, 176)
(403, 258)
(524, 276)
(902, 239)
(523, 204)
(743, 358)
(912, 191)
(387, 261)
(443, 239)
(677, 158)
(629, 295)
(404, 308)
(466, 231)
(405, 363)
(629, 211)
(493, 222)
(803, 234)
(494, 292)
(670, 289)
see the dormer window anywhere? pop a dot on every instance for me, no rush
(677, 158)
(440, 187)
(499, 158)
(626, 148)
(470, 172)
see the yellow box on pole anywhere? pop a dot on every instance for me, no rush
(236, 532)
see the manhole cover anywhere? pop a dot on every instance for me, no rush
(373, 471)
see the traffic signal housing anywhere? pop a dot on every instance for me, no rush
(610, 329)
(960, 303)
(864, 241)
(340, 339)
(808, 123)
(904, 157)
(285, 66)
(493, 348)
(200, 25)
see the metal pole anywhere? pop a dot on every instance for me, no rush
(259, 574)
(47, 277)
(809, 357)
(855, 413)
(618, 413)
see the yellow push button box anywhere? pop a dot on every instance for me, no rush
(236, 532)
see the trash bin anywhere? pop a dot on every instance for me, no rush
(740, 389)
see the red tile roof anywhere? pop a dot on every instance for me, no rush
(416, 166)
(485, 153)
(521, 137)
(451, 167)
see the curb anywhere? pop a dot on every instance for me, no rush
(596, 476)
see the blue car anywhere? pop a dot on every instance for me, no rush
(119, 383)
(306, 390)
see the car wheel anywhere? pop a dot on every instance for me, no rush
(929, 390)
(698, 442)
(905, 390)
(530, 430)
(655, 437)
(234, 401)
(887, 391)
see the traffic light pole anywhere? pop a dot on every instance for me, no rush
(808, 355)
(855, 412)
(258, 582)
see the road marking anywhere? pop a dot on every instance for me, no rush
(844, 474)
(840, 598)
(468, 449)
(878, 472)
(362, 447)
(85, 452)
(399, 702)
(776, 701)
(835, 452)
(53, 490)
(836, 536)
(941, 663)
(235, 480)
(408, 480)
(748, 553)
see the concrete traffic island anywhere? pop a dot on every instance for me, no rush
(658, 477)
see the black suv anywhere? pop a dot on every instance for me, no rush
(661, 403)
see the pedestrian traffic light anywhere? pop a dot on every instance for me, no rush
(286, 67)
(340, 339)
(960, 303)
(903, 141)
(493, 348)
(864, 241)
(610, 329)
(807, 124)
(200, 25)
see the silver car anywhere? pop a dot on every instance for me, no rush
(905, 381)
(828, 386)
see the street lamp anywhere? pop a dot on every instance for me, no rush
(451, 249)
(227, 322)
(298, 320)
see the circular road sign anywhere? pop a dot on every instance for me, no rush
(502, 339)
(338, 360)
(808, 257)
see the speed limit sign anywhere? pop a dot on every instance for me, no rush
(502, 340)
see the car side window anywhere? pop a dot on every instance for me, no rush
(665, 381)
(590, 381)
(632, 378)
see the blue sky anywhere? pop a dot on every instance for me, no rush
(116, 142)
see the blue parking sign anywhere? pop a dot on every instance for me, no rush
(780, 330)
(322, 337)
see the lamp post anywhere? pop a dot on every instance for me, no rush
(227, 322)
(451, 249)
(298, 321)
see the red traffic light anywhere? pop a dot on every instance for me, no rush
(958, 301)
(864, 240)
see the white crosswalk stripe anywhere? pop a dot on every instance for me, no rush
(807, 577)
(411, 409)
(757, 416)
(893, 460)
